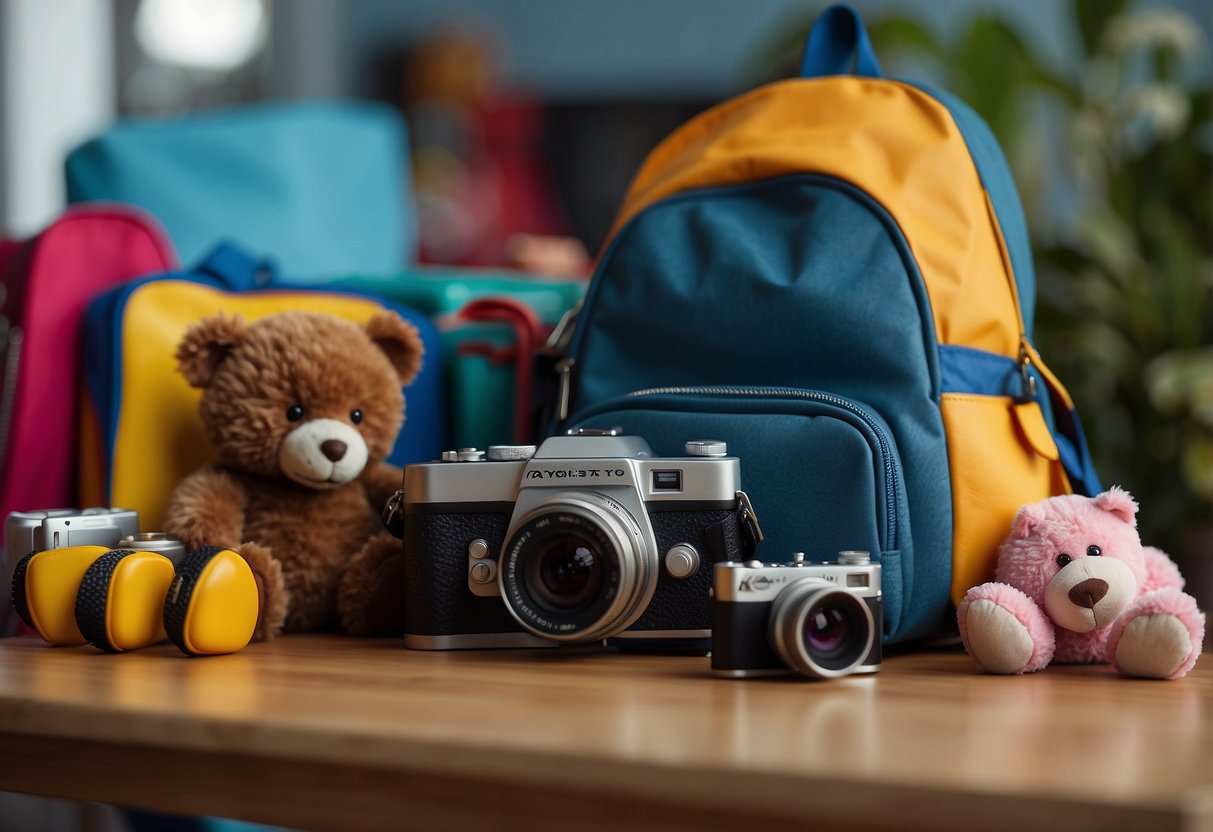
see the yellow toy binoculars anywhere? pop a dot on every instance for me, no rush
(123, 599)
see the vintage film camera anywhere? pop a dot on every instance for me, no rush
(821, 620)
(587, 538)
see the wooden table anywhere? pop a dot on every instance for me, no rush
(323, 732)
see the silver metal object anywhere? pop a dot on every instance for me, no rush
(92, 526)
(682, 560)
(854, 557)
(159, 542)
(483, 572)
(707, 447)
(509, 453)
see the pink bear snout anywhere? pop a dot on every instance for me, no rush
(1089, 593)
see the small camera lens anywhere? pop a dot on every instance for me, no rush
(835, 632)
(820, 629)
(565, 572)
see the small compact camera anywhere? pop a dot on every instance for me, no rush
(589, 537)
(56, 528)
(821, 620)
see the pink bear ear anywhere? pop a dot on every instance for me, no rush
(1120, 503)
(1026, 520)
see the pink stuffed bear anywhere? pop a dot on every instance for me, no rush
(1075, 585)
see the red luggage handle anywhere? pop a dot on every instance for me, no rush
(529, 335)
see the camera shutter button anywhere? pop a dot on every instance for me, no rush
(509, 453)
(682, 561)
(706, 447)
(854, 558)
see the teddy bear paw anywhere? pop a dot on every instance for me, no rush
(1159, 637)
(1004, 631)
(370, 599)
(272, 593)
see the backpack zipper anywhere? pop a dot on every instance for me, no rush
(886, 450)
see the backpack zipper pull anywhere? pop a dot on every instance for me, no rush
(1028, 393)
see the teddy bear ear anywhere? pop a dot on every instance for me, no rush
(400, 342)
(1120, 503)
(207, 343)
(1026, 519)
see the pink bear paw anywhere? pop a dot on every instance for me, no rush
(1159, 636)
(1004, 630)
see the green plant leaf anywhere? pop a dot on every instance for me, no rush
(893, 33)
(1093, 17)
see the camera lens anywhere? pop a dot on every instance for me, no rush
(565, 572)
(835, 629)
(577, 568)
(820, 629)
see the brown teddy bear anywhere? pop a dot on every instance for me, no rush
(300, 410)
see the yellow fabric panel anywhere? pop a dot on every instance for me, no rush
(1001, 457)
(90, 473)
(889, 139)
(159, 440)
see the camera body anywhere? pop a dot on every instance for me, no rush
(56, 528)
(821, 619)
(588, 537)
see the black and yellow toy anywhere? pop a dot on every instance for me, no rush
(124, 599)
(213, 603)
(120, 602)
(44, 591)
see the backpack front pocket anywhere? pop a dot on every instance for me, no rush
(822, 471)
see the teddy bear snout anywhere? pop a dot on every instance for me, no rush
(1089, 592)
(334, 450)
(323, 453)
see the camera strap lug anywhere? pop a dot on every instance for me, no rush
(748, 519)
(393, 514)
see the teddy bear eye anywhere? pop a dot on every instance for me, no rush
(1094, 551)
(294, 413)
(356, 416)
(1063, 559)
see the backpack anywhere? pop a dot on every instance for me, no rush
(45, 283)
(140, 433)
(832, 274)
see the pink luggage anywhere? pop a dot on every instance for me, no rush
(45, 283)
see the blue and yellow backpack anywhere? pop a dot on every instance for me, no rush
(832, 274)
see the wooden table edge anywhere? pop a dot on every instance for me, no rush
(445, 787)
